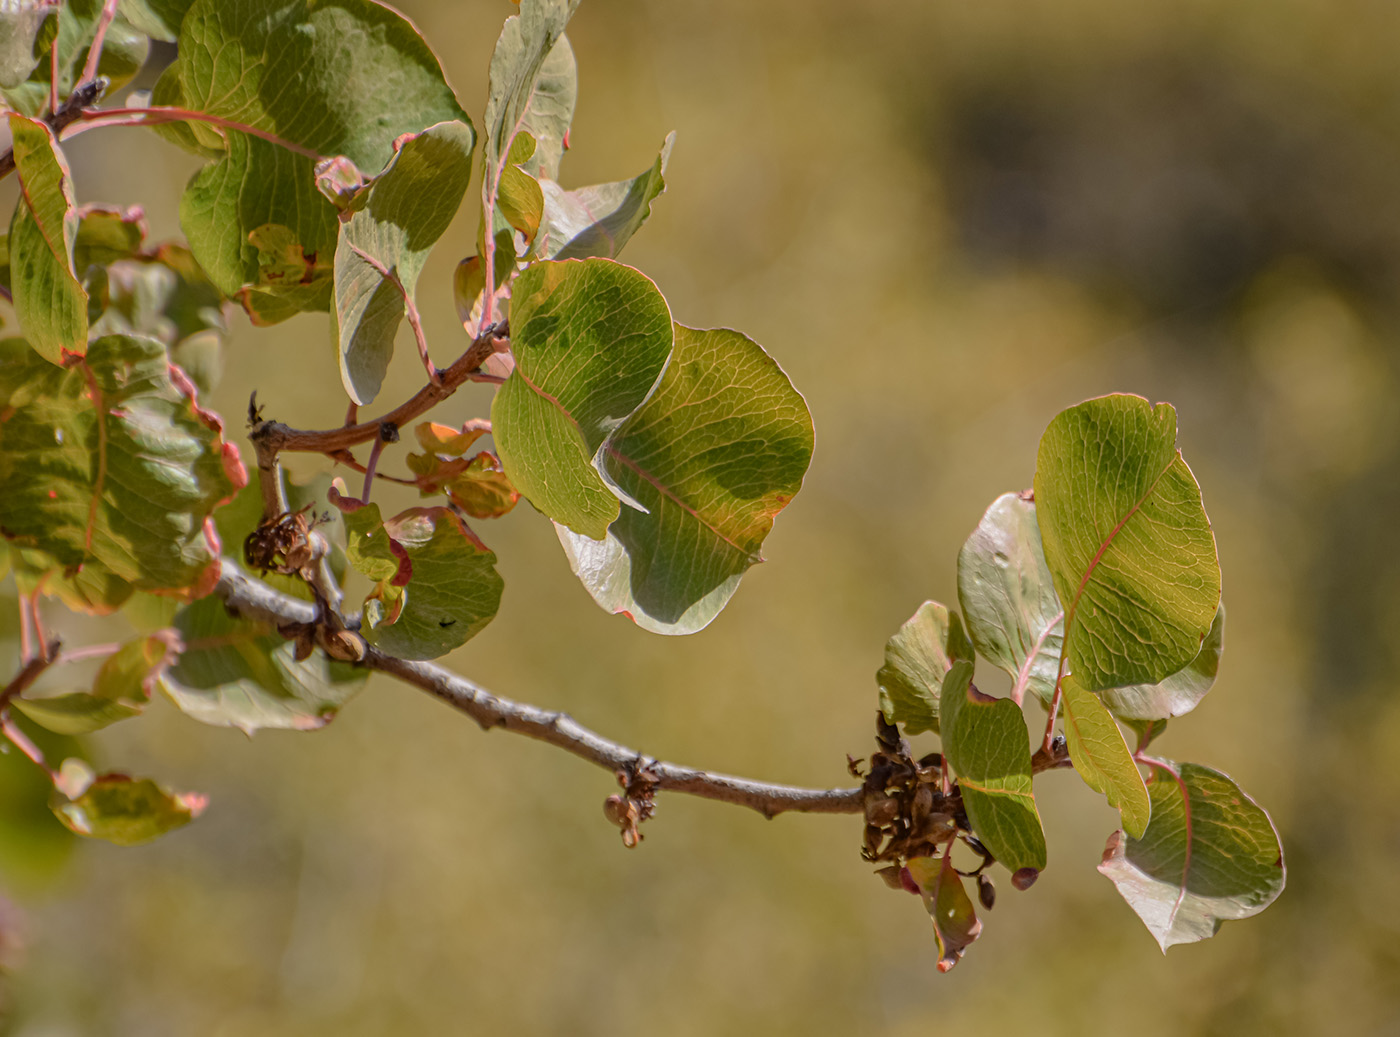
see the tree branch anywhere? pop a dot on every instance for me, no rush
(252, 599)
(275, 437)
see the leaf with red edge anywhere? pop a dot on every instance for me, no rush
(1127, 541)
(955, 921)
(1210, 855)
(476, 484)
(111, 472)
(50, 303)
(121, 689)
(713, 455)
(442, 439)
(128, 812)
(1101, 756)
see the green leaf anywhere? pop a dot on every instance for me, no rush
(955, 921)
(368, 546)
(550, 110)
(125, 811)
(121, 690)
(531, 90)
(453, 593)
(1008, 597)
(111, 472)
(917, 659)
(1127, 540)
(123, 53)
(1101, 756)
(519, 198)
(598, 220)
(404, 212)
(590, 339)
(158, 19)
(477, 484)
(1147, 731)
(986, 743)
(106, 235)
(49, 301)
(712, 456)
(19, 26)
(1178, 694)
(236, 673)
(1210, 855)
(344, 78)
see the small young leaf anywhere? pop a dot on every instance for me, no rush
(986, 743)
(1008, 597)
(121, 690)
(404, 212)
(518, 196)
(1175, 695)
(111, 471)
(590, 339)
(955, 921)
(1210, 855)
(598, 220)
(917, 659)
(1127, 540)
(50, 303)
(713, 455)
(477, 484)
(236, 673)
(1101, 756)
(126, 812)
(158, 19)
(453, 593)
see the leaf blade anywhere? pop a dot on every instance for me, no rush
(1102, 757)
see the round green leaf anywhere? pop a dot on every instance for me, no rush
(127, 812)
(1127, 540)
(1008, 597)
(111, 471)
(1178, 694)
(986, 743)
(590, 339)
(713, 455)
(1210, 855)
(236, 673)
(917, 659)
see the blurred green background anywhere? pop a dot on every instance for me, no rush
(947, 221)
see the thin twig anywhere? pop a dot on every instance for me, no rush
(29, 673)
(109, 11)
(275, 437)
(252, 599)
(21, 742)
(157, 114)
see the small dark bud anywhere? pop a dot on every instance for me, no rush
(1025, 878)
(986, 892)
(881, 811)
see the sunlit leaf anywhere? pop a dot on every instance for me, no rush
(363, 76)
(477, 484)
(1210, 855)
(713, 455)
(917, 659)
(120, 690)
(50, 303)
(237, 673)
(111, 471)
(1127, 540)
(404, 212)
(1008, 597)
(955, 921)
(1101, 756)
(598, 220)
(19, 26)
(590, 339)
(454, 590)
(128, 812)
(1181, 692)
(986, 743)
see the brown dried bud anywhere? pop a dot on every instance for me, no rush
(345, 645)
(881, 811)
(616, 809)
(891, 876)
(923, 805)
(1025, 878)
(986, 892)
